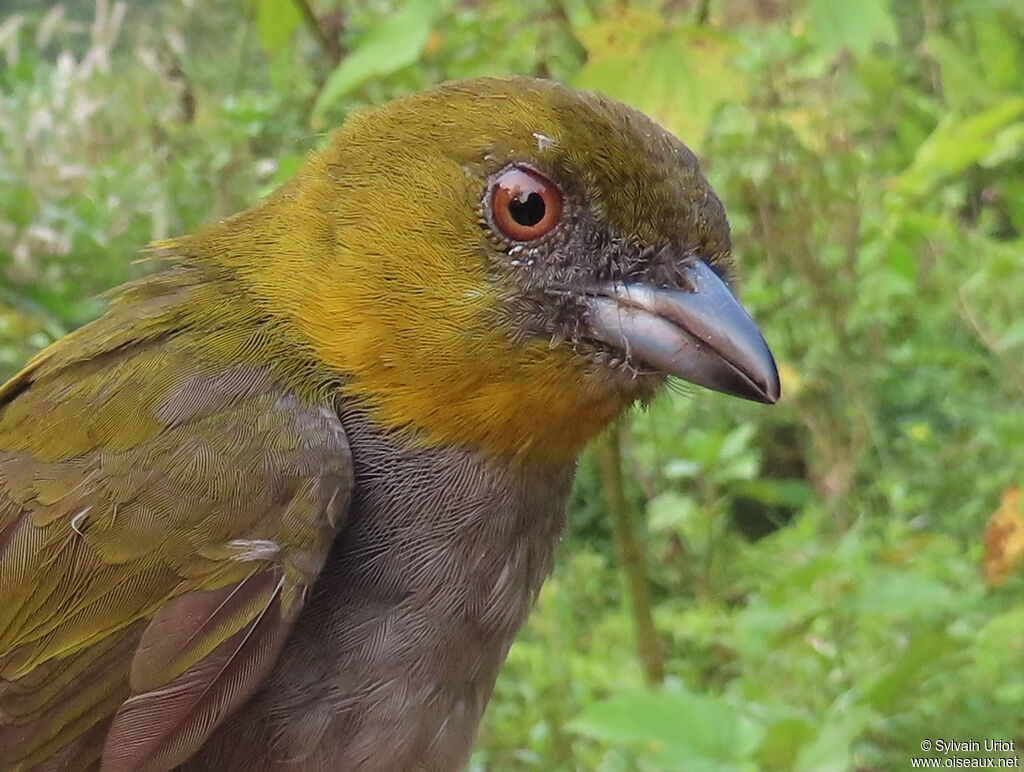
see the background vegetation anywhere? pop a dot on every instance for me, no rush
(795, 588)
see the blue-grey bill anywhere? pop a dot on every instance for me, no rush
(700, 334)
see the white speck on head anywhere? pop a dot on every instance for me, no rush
(78, 519)
(544, 142)
(255, 549)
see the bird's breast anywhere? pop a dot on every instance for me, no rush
(394, 657)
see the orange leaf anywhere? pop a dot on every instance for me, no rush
(1004, 538)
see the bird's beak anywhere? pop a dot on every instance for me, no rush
(701, 333)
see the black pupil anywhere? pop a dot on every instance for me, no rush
(528, 210)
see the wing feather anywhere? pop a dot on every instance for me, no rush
(154, 554)
(161, 727)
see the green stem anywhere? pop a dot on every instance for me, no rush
(630, 555)
(330, 46)
(703, 12)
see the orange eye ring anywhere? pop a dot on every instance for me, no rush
(525, 204)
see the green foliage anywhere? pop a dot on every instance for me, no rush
(675, 729)
(677, 73)
(275, 22)
(814, 566)
(396, 41)
(854, 27)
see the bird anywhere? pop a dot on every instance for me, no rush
(284, 506)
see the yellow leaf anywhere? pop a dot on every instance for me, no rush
(789, 379)
(678, 75)
(1004, 539)
(433, 44)
(809, 125)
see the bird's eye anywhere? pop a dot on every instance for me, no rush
(525, 204)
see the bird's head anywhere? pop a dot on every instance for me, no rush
(504, 263)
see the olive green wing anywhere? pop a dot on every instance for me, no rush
(161, 524)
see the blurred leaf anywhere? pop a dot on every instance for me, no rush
(681, 469)
(854, 26)
(776, 492)
(809, 123)
(999, 50)
(1000, 646)
(396, 41)
(275, 22)
(678, 75)
(830, 750)
(671, 511)
(1004, 538)
(737, 442)
(783, 740)
(578, 13)
(958, 142)
(900, 594)
(681, 730)
(978, 69)
(905, 671)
